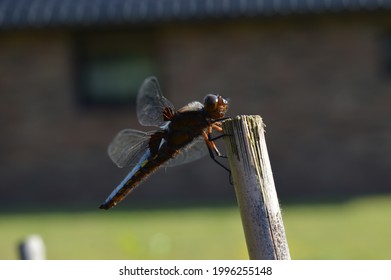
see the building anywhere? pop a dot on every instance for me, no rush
(318, 72)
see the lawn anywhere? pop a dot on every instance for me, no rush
(355, 229)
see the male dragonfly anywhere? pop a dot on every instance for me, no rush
(181, 137)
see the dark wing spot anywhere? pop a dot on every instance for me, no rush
(168, 114)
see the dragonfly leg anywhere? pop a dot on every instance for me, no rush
(220, 120)
(212, 150)
(217, 127)
(217, 137)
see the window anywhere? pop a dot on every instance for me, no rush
(387, 53)
(111, 67)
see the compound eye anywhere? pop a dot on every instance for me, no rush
(210, 102)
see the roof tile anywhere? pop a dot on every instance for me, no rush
(26, 13)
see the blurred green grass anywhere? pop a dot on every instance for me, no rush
(355, 229)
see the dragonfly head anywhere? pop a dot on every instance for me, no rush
(215, 106)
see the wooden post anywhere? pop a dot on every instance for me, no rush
(32, 248)
(254, 186)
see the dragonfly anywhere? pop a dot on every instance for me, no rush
(181, 136)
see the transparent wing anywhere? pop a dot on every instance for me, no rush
(193, 151)
(151, 103)
(128, 146)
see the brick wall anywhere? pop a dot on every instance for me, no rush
(52, 149)
(318, 82)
